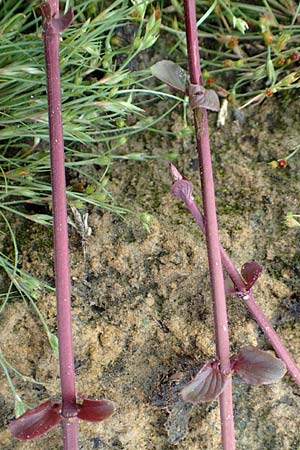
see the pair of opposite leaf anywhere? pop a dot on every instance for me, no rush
(38, 421)
(177, 78)
(252, 365)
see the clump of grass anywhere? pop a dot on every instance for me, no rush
(99, 92)
(253, 47)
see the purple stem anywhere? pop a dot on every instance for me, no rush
(60, 230)
(212, 239)
(250, 301)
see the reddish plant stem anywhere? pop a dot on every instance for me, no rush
(60, 230)
(212, 239)
(250, 301)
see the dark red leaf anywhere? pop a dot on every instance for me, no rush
(250, 272)
(95, 410)
(207, 385)
(256, 366)
(37, 421)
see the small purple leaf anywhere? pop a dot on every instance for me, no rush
(171, 74)
(37, 421)
(64, 21)
(203, 98)
(207, 385)
(95, 410)
(256, 366)
(250, 272)
(183, 190)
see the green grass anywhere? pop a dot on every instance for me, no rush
(99, 93)
(250, 50)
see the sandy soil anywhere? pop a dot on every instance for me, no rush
(141, 301)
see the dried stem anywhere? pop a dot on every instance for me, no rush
(212, 239)
(53, 25)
